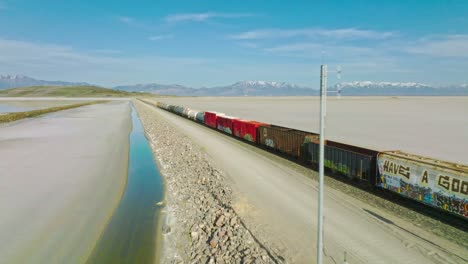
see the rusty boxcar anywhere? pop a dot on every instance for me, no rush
(282, 139)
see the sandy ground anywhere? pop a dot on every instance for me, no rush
(278, 204)
(61, 176)
(430, 126)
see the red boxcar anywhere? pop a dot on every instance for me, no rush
(211, 117)
(224, 123)
(246, 129)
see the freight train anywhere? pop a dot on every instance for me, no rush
(435, 183)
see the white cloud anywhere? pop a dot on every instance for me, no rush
(201, 17)
(441, 46)
(49, 61)
(344, 33)
(160, 37)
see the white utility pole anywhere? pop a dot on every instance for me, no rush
(323, 113)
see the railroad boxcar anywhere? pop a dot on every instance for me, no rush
(186, 112)
(200, 117)
(435, 183)
(340, 159)
(160, 105)
(192, 114)
(211, 118)
(171, 108)
(224, 123)
(179, 110)
(284, 140)
(246, 129)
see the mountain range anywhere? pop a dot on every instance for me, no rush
(244, 88)
(14, 81)
(260, 88)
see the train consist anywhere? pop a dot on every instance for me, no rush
(432, 182)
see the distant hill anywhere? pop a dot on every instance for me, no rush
(263, 88)
(244, 88)
(164, 89)
(257, 88)
(10, 81)
(63, 91)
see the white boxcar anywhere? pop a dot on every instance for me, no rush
(436, 183)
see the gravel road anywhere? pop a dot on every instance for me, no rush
(277, 203)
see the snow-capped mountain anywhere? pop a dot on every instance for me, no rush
(265, 88)
(13, 81)
(368, 84)
(398, 89)
(260, 88)
(265, 84)
(243, 88)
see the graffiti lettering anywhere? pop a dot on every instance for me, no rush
(464, 188)
(424, 177)
(452, 204)
(453, 184)
(269, 143)
(396, 169)
(444, 182)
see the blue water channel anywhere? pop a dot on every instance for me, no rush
(131, 235)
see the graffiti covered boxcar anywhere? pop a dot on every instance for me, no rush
(342, 161)
(210, 118)
(224, 123)
(436, 183)
(246, 129)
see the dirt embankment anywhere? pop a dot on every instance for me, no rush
(201, 225)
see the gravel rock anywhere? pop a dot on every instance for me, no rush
(204, 228)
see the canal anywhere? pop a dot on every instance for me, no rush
(132, 234)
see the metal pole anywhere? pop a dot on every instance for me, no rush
(323, 110)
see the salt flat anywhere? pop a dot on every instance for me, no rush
(430, 126)
(61, 176)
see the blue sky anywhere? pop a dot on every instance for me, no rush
(209, 43)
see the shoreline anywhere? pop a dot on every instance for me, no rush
(69, 212)
(15, 116)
